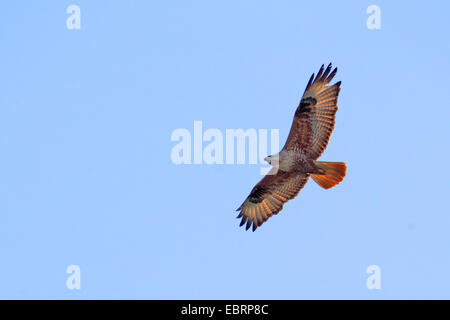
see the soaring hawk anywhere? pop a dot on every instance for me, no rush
(310, 132)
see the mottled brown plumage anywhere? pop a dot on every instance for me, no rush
(311, 129)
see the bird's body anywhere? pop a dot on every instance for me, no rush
(288, 160)
(310, 132)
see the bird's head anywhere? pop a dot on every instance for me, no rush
(273, 159)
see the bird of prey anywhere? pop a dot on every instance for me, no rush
(310, 132)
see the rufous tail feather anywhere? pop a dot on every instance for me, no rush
(333, 173)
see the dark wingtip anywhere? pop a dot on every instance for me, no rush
(325, 73)
(310, 81)
(319, 74)
(331, 75)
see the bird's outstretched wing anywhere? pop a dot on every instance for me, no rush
(269, 195)
(315, 116)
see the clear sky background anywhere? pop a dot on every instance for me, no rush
(86, 176)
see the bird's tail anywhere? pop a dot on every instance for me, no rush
(332, 173)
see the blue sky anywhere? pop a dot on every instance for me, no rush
(86, 176)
